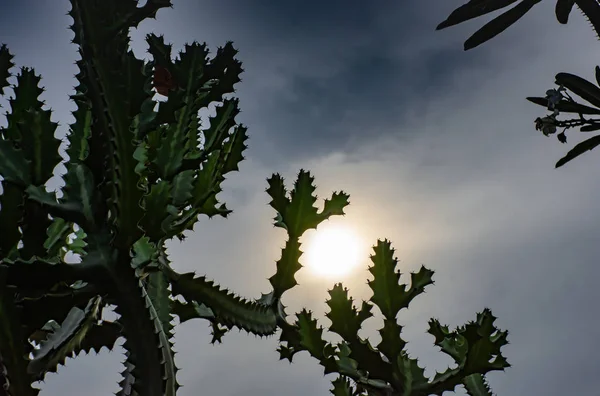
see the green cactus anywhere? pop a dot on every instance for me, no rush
(386, 369)
(141, 172)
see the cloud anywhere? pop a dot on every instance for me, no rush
(439, 153)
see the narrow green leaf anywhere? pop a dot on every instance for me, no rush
(590, 128)
(580, 87)
(499, 24)
(473, 9)
(563, 9)
(579, 149)
(565, 106)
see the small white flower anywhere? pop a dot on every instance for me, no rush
(547, 125)
(554, 96)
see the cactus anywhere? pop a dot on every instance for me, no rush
(141, 172)
(387, 369)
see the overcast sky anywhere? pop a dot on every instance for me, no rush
(438, 150)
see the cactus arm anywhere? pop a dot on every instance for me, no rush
(135, 15)
(78, 333)
(48, 274)
(159, 295)
(145, 340)
(228, 309)
(190, 176)
(346, 321)
(156, 284)
(64, 339)
(29, 153)
(142, 330)
(6, 64)
(115, 90)
(297, 214)
(42, 307)
(475, 347)
(11, 201)
(56, 237)
(388, 369)
(209, 301)
(13, 349)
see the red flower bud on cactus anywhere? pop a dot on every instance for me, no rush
(163, 81)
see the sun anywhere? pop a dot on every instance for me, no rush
(333, 251)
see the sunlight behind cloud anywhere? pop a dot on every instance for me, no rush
(333, 251)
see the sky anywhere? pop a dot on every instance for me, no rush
(437, 149)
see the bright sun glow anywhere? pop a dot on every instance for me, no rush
(333, 251)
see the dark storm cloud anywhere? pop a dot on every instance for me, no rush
(368, 98)
(323, 76)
